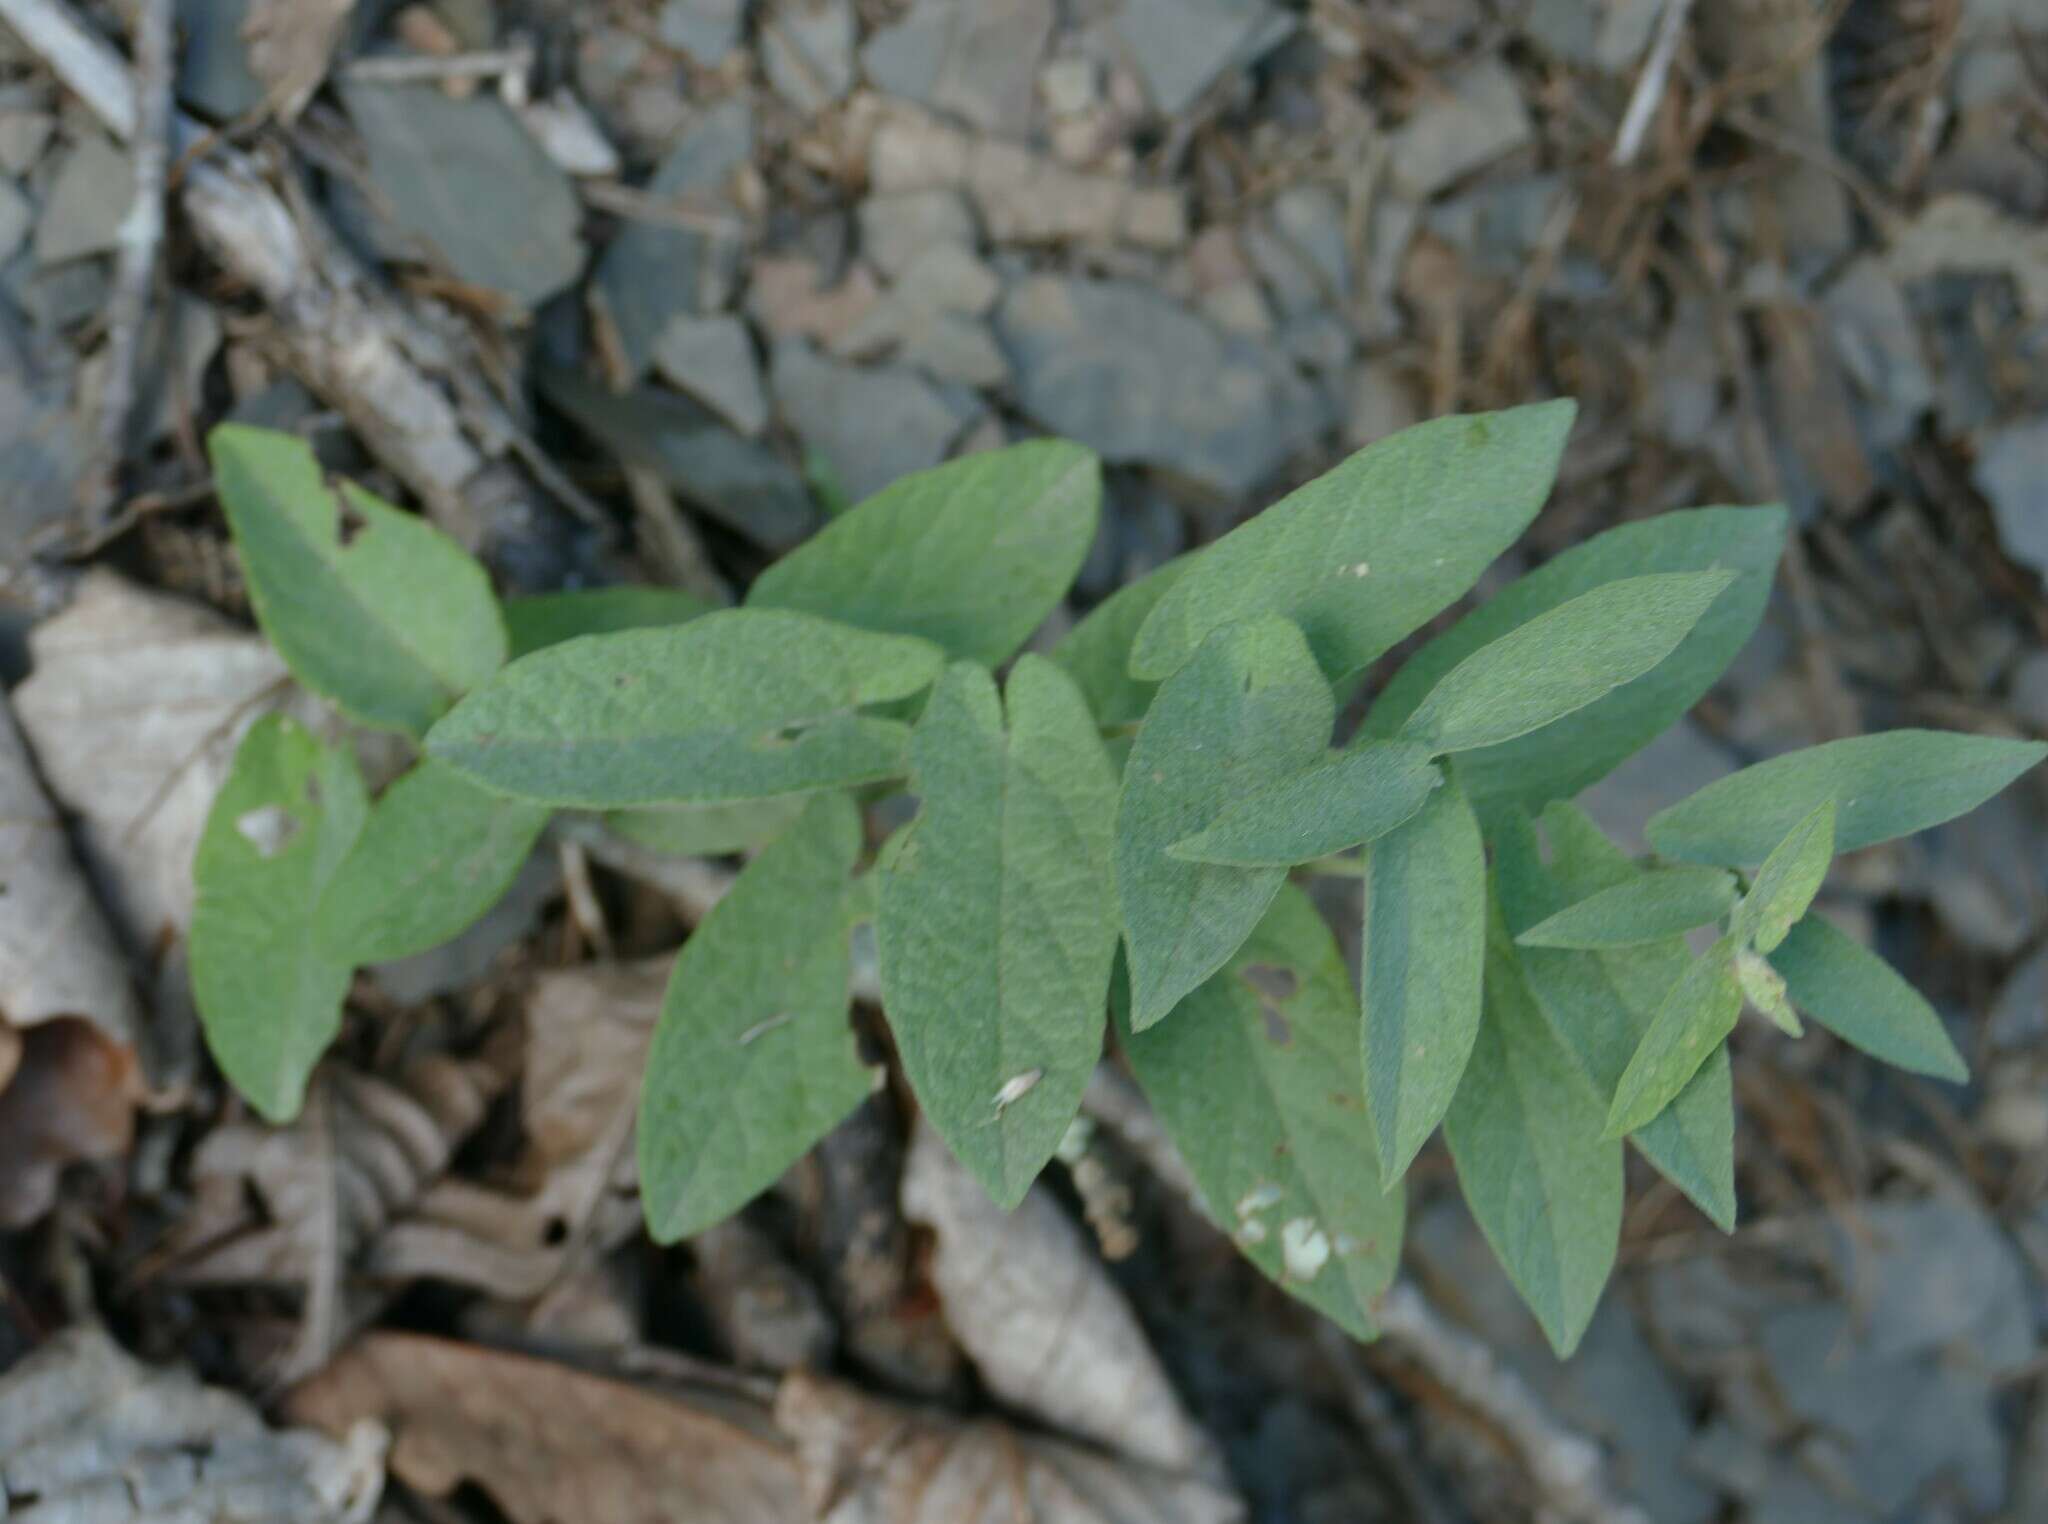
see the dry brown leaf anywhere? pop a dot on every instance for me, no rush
(1970, 235)
(552, 1445)
(71, 1099)
(290, 43)
(864, 1461)
(90, 1436)
(1042, 1320)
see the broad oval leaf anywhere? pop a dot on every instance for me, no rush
(436, 853)
(1691, 1023)
(997, 922)
(1363, 555)
(1097, 651)
(269, 997)
(971, 555)
(1343, 801)
(740, 704)
(1885, 785)
(753, 1059)
(1422, 955)
(1856, 995)
(703, 830)
(372, 608)
(1256, 1081)
(1647, 907)
(1571, 753)
(1787, 882)
(1563, 660)
(1524, 1134)
(1249, 708)
(540, 620)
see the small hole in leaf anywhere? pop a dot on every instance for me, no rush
(788, 735)
(555, 1233)
(269, 829)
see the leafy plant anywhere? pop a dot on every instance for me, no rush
(1113, 828)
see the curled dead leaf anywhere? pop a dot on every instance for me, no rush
(71, 1099)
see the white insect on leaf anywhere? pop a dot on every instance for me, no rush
(1304, 1248)
(1016, 1087)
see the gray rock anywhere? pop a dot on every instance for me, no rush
(1448, 138)
(2029, 697)
(1311, 218)
(976, 59)
(1383, 402)
(1625, 31)
(952, 347)
(1680, 761)
(949, 278)
(213, 66)
(712, 358)
(17, 216)
(1181, 47)
(1497, 225)
(88, 196)
(807, 51)
(651, 271)
(179, 341)
(1319, 341)
(1141, 378)
(59, 296)
(896, 229)
(869, 425)
(23, 137)
(471, 188)
(1878, 342)
(1938, 1277)
(1291, 277)
(2012, 473)
(2019, 1017)
(42, 449)
(707, 30)
(1984, 875)
(1565, 29)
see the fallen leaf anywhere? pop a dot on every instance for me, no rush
(290, 43)
(1969, 235)
(1041, 1319)
(71, 1098)
(86, 1433)
(865, 1461)
(552, 1445)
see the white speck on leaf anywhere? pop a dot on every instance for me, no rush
(1016, 1087)
(1304, 1248)
(1257, 1199)
(763, 1028)
(268, 829)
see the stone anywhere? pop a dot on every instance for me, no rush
(1984, 875)
(1681, 761)
(706, 30)
(949, 278)
(1877, 341)
(974, 59)
(1311, 218)
(1238, 307)
(1382, 402)
(2029, 696)
(1143, 379)
(2012, 473)
(895, 229)
(42, 450)
(213, 74)
(470, 188)
(17, 216)
(869, 425)
(712, 358)
(1070, 86)
(23, 137)
(807, 51)
(88, 196)
(1565, 29)
(569, 134)
(1181, 47)
(2019, 1016)
(952, 347)
(1962, 233)
(1625, 30)
(1291, 278)
(787, 298)
(1448, 137)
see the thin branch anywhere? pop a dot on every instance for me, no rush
(1649, 91)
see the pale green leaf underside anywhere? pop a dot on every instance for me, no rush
(1255, 1079)
(1787, 882)
(753, 1059)
(1562, 660)
(1650, 907)
(1571, 753)
(971, 555)
(1423, 951)
(269, 998)
(1249, 708)
(1097, 651)
(1357, 796)
(740, 704)
(697, 830)
(540, 620)
(1524, 1133)
(437, 852)
(385, 616)
(1856, 995)
(1692, 1021)
(1885, 785)
(1362, 556)
(997, 922)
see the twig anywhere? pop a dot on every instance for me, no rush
(77, 55)
(412, 68)
(1649, 91)
(141, 236)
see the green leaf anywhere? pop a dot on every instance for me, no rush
(971, 555)
(1857, 996)
(1357, 796)
(1097, 651)
(1563, 660)
(1423, 951)
(1600, 1004)
(1571, 753)
(707, 830)
(436, 854)
(1693, 1020)
(1789, 879)
(1248, 709)
(1256, 1081)
(998, 922)
(1362, 556)
(1764, 988)
(1885, 785)
(371, 607)
(1649, 907)
(1524, 1133)
(268, 996)
(753, 1060)
(740, 704)
(548, 619)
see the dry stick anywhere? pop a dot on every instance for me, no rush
(1649, 91)
(1567, 1467)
